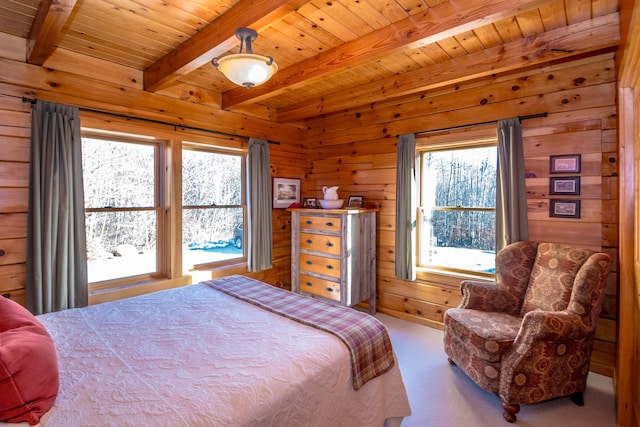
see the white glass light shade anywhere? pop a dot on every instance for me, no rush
(247, 69)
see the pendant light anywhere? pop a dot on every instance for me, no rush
(246, 69)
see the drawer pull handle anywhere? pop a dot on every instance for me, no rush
(329, 224)
(329, 289)
(308, 222)
(7, 295)
(329, 267)
(309, 284)
(309, 262)
(330, 244)
(309, 241)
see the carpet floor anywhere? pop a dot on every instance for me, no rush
(441, 395)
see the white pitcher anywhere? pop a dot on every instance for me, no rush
(330, 193)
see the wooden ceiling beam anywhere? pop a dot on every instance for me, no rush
(215, 39)
(437, 23)
(561, 43)
(46, 30)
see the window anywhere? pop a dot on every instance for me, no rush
(457, 208)
(213, 206)
(122, 206)
(157, 207)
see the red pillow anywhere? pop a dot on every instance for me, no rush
(29, 378)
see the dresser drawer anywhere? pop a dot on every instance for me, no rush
(320, 287)
(320, 265)
(320, 223)
(320, 243)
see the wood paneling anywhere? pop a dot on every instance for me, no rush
(287, 159)
(537, 56)
(355, 149)
(628, 361)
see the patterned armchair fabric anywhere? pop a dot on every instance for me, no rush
(528, 336)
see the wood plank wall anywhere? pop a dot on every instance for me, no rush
(14, 183)
(288, 158)
(356, 149)
(627, 374)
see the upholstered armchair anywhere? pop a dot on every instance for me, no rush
(528, 336)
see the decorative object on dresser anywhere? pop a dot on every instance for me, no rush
(334, 255)
(331, 204)
(330, 193)
(310, 202)
(355, 202)
(331, 199)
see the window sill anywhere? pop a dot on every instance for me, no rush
(208, 272)
(112, 293)
(449, 278)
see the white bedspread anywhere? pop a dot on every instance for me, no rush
(193, 356)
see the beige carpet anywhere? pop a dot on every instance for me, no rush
(443, 396)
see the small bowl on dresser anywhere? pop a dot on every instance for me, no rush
(331, 204)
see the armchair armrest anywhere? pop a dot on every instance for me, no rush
(549, 355)
(541, 325)
(487, 296)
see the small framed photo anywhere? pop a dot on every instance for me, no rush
(564, 208)
(568, 163)
(355, 202)
(569, 185)
(285, 192)
(310, 202)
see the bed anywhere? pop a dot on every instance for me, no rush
(202, 355)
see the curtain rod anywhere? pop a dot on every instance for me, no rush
(157, 122)
(521, 118)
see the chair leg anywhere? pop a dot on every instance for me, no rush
(577, 398)
(510, 412)
(451, 362)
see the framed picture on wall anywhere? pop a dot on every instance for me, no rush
(569, 185)
(564, 208)
(285, 192)
(567, 163)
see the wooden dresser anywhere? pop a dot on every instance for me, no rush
(333, 255)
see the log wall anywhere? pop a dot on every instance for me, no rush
(113, 94)
(356, 149)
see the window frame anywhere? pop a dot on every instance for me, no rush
(447, 142)
(170, 138)
(196, 146)
(161, 174)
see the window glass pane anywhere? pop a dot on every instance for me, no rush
(209, 233)
(120, 244)
(212, 234)
(210, 179)
(465, 177)
(463, 240)
(457, 229)
(118, 174)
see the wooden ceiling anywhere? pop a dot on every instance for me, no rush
(332, 54)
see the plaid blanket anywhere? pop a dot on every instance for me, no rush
(366, 338)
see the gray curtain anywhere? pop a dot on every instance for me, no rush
(259, 250)
(406, 208)
(511, 197)
(56, 240)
